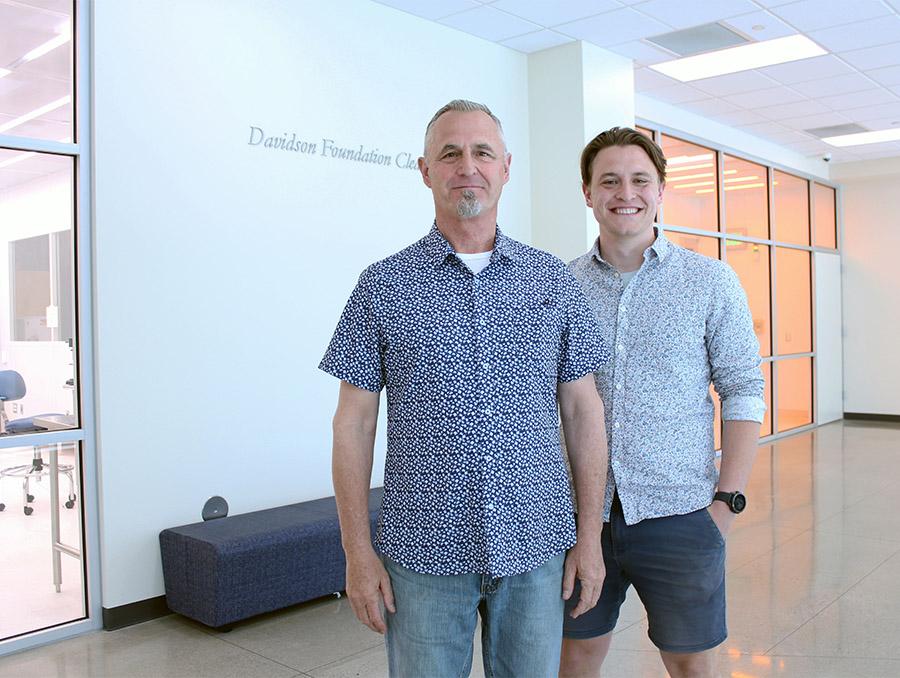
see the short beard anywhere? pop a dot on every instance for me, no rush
(468, 206)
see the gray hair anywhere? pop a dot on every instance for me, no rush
(464, 106)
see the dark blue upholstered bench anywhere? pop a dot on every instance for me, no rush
(225, 570)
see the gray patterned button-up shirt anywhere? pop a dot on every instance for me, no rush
(474, 477)
(682, 321)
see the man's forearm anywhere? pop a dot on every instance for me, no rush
(740, 440)
(351, 464)
(585, 434)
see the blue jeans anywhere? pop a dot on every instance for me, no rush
(432, 631)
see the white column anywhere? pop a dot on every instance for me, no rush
(575, 92)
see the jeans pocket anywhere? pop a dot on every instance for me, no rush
(715, 531)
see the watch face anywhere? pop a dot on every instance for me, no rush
(738, 502)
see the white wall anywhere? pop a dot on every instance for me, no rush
(829, 359)
(871, 240)
(222, 267)
(576, 90)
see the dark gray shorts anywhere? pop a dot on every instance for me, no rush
(677, 567)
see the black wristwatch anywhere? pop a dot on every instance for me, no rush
(736, 501)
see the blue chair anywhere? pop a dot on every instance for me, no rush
(12, 387)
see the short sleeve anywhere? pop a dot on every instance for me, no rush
(354, 353)
(583, 350)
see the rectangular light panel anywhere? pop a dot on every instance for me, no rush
(742, 58)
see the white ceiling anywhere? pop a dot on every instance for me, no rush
(858, 81)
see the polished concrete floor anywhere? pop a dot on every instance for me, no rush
(813, 590)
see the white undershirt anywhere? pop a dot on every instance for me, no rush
(626, 277)
(476, 261)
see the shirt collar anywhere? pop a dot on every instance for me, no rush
(661, 248)
(439, 249)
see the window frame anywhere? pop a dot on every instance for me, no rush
(721, 151)
(80, 150)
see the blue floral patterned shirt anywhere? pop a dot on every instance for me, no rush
(474, 476)
(680, 323)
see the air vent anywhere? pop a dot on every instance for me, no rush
(698, 39)
(836, 130)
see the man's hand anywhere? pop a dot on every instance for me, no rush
(368, 584)
(722, 516)
(585, 561)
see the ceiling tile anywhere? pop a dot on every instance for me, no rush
(871, 113)
(851, 82)
(739, 117)
(687, 14)
(764, 128)
(807, 69)
(872, 57)
(734, 83)
(868, 98)
(885, 149)
(887, 122)
(810, 146)
(889, 76)
(614, 28)
(640, 52)
(811, 15)
(765, 97)
(791, 110)
(813, 121)
(647, 79)
(880, 31)
(489, 23)
(557, 12)
(711, 107)
(761, 26)
(432, 9)
(535, 42)
(677, 94)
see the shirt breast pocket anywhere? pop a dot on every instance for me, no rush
(533, 329)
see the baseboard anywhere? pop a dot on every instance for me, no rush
(867, 416)
(134, 613)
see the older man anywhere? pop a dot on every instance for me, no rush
(481, 343)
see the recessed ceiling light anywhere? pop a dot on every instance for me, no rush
(4, 72)
(864, 138)
(742, 58)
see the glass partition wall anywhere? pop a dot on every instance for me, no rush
(766, 223)
(42, 433)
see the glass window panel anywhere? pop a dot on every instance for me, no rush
(793, 299)
(36, 70)
(790, 212)
(645, 131)
(794, 393)
(31, 602)
(701, 244)
(825, 219)
(746, 198)
(766, 428)
(751, 263)
(690, 198)
(37, 271)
